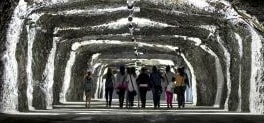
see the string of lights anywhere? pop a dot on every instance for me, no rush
(131, 25)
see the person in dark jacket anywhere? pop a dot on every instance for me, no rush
(187, 84)
(143, 81)
(155, 82)
(109, 86)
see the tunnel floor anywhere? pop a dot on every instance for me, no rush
(75, 112)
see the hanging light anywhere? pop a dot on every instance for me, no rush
(130, 19)
(131, 25)
(130, 4)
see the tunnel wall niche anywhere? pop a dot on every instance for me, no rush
(75, 92)
(60, 65)
(204, 70)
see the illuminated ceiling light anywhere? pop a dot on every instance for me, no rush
(130, 4)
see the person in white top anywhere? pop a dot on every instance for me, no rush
(132, 85)
(168, 75)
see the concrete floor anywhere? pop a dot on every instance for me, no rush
(74, 112)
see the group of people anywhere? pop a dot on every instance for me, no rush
(126, 82)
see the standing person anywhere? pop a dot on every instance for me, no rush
(121, 85)
(155, 81)
(88, 86)
(180, 87)
(143, 82)
(186, 84)
(109, 86)
(169, 92)
(132, 86)
(168, 76)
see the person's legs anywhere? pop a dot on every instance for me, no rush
(86, 99)
(121, 98)
(143, 93)
(179, 96)
(132, 100)
(179, 100)
(167, 98)
(158, 100)
(89, 99)
(106, 96)
(158, 93)
(129, 99)
(141, 97)
(110, 96)
(144, 98)
(172, 96)
(170, 99)
(154, 99)
(183, 97)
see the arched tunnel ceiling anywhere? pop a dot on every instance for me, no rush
(127, 57)
(207, 34)
(78, 24)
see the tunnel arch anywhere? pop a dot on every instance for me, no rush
(126, 43)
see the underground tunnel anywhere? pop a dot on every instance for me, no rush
(47, 46)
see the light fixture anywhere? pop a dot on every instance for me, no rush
(130, 4)
(130, 19)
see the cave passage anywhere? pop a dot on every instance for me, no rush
(48, 46)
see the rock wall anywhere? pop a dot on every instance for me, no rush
(60, 65)
(41, 49)
(21, 54)
(204, 70)
(75, 92)
(6, 9)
